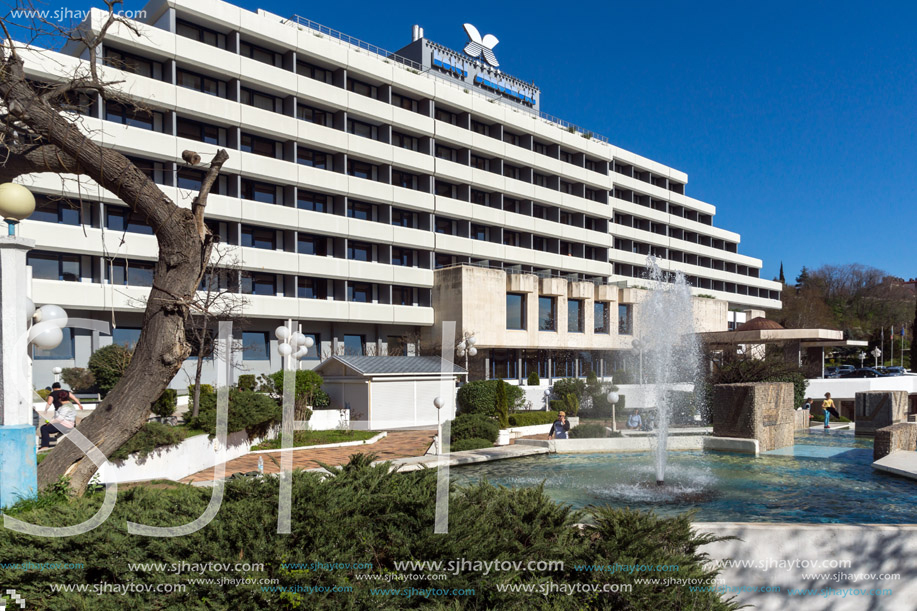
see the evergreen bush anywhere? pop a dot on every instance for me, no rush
(77, 378)
(532, 418)
(533, 379)
(568, 386)
(475, 443)
(253, 412)
(588, 431)
(151, 435)
(246, 382)
(502, 407)
(474, 426)
(480, 397)
(165, 405)
(307, 391)
(571, 405)
(108, 364)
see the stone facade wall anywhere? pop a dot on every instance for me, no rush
(762, 411)
(878, 409)
(896, 437)
(801, 418)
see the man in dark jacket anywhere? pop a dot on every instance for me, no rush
(560, 427)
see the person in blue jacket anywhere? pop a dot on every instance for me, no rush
(560, 427)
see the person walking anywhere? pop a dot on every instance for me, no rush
(58, 396)
(828, 406)
(560, 427)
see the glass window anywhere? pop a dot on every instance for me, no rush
(404, 101)
(480, 197)
(314, 72)
(358, 128)
(406, 142)
(255, 346)
(317, 202)
(140, 273)
(404, 179)
(199, 82)
(444, 152)
(402, 256)
(515, 311)
(259, 284)
(259, 237)
(258, 100)
(361, 211)
(257, 53)
(444, 226)
(547, 319)
(353, 345)
(121, 219)
(311, 245)
(53, 266)
(444, 115)
(601, 317)
(480, 162)
(191, 179)
(479, 232)
(132, 63)
(125, 336)
(445, 189)
(135, 117)
(259, 191)
(402, 295)
(314, 159)
(204, 35)
(360, 169)
(358, 251)
(314, 115)
(258, 145)
(314, 353)
(575, 316)
(312, 288)
(64, 350)
(360, 292)
(481, 128)
(61, 212)
(625, 319)
(361, 88)
(403, 218)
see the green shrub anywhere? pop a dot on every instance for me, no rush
(532, 418)
(43, 393)
(246, 382)
(474, 426)
(571, 405)
(558, 405)
(480, 397)
(380, 517)
(568, 386)
(601, 408)
(624, 376)
(307, 391)
(474, 443)
(588, 431)
(151, 436)
(250, 411)
(108, 364)
(77, 378)
(533, 379)
(206, 389)
(502, 407)
(165, 405)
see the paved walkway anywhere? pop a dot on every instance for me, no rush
(398, 444)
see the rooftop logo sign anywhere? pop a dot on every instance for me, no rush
(478, 46)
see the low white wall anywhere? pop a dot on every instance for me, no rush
(536, 429)
(329, 419)
(775, 552)
(175, 462)
(848, 388)
(614, 444)
(641, 395)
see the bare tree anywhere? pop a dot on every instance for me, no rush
(39, 133)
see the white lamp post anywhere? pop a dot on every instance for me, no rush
(613, 398)
(438, 403)
(861, 355)
(16, 203)
(465, 348)
(57, 371)
(876, 353)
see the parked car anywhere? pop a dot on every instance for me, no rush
(832, 372)
(894, 370)
(865, 372)
(842, 369)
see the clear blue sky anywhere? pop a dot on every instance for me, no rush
(797, 120)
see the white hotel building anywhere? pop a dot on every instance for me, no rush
(369, 196)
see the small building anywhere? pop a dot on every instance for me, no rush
(391, 392)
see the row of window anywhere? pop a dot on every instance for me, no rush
(547, 315)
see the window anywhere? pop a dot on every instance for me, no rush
(480, 128)
(480, 197)
(539, 212)
(480, 163)
(601, 317)
(404, 179)
(361, 211)
(540, 179)
(511, 171)
(406, 142)
(313, 159)
(444, 226)
(257, 53)
(312, 245)
(255, 346)
(258, 145)
(314, 115)
(132, 63)
(192, 180)
(442, 114)
(540, 243)
(63, 351)
(131, 273)
(625, 319)
(259, 284)
(547, 319)
(512, 238)
(511, 205)
(195, 130)
(258, 100)
(445, 152)
(204, 35)
(361, 169)
(122, 219)
(259, 237)
(125, 336)
(540, 148)
(479, 232)
(353, 345)
(314, 72)
(511, 138)
(259, 191)
(445, 189)
(365, 130)
(59, 212)
(359, 251)
(134, 117)
(566, 187)
(575, 314)
(402, 295)
(317, 202)
(360, 292)
(370, 91)
(515, 311)
(404, 218)
(199, 82)
(403, 101)
(53, 266)
(402, 256)
(312, 288)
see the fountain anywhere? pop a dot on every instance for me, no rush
(670, 351)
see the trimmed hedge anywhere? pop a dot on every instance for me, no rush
(474, 426)
(532, 418)
(246, 382)
(253, 412)
(151, 436)
(480, 397)
(588, 431)
(166, 404)
(533, 379)
(475, 443)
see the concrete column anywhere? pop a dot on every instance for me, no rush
(18, 469)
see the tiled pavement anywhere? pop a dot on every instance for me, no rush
(397, 444)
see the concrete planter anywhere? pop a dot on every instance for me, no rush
(503, 437)
(536, 429)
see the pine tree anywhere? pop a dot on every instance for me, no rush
(802, 280)
(782, 278)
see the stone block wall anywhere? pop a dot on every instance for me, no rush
(878, 409)
(801, 418)
(762, 411)
(896, 437)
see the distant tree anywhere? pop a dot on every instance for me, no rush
(802, 280)
(914, 337)
(782, 278)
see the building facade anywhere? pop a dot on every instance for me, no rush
(360, 182)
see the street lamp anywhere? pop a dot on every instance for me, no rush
(861, 355)
(292, 343)
(465, 348)
(876, 353)
(16, 203)
(613, 399)
(438, 403)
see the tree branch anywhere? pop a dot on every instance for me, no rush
(200, 202)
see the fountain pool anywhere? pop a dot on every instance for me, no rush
(826, 477)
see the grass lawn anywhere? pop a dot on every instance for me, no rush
(314, 438)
